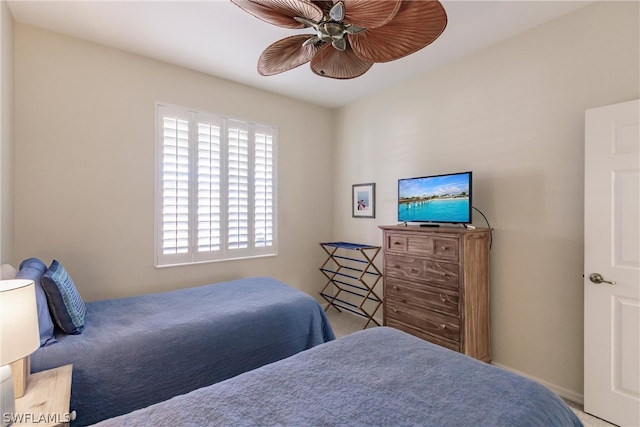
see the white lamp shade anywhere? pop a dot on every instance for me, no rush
(19, 332)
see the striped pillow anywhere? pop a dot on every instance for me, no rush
(66, 306)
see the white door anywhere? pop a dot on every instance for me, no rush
(612, 254)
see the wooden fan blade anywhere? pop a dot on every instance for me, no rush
(329, 62)
(417, 24)
(281, 12)
(286, 54)
(370, 14)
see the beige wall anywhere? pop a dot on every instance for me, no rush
(514, 115)
(6, 134)
(84, 173)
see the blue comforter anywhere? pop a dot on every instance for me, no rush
(141, 350)
(375, 377)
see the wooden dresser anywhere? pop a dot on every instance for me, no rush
(436, 285)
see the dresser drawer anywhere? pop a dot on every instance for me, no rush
(445, 249)
(429, 321)
(422, 270)
(451, 345)
(430, 298)
(432, 246)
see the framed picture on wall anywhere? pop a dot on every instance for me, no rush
(363, 201)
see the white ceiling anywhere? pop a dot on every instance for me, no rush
(218, 38)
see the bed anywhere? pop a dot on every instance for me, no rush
(137, 351)
(375, 377)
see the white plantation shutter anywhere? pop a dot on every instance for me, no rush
(209, 186)
(215, 196)
(263, 192)
(238, 184)
(175, 188)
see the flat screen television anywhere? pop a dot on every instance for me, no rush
(436, 199)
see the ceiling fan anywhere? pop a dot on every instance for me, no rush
(350, 35)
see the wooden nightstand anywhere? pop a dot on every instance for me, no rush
(46, 400)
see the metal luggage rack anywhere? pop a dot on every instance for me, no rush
(351, 275)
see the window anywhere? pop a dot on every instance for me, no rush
(215, 197)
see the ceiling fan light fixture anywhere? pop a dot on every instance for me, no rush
(339, 44)
(354, 29)
(351, 35)
(336, 13)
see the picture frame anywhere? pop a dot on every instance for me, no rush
(363, 200)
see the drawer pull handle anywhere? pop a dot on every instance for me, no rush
(414, 271)
(395, 266)
(397, 243)
(443, 298)
(443, 326)
(443, 248)
(394, 310)
(395, 287)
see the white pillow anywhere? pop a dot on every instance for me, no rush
(8, 272)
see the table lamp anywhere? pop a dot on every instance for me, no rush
(19, 337)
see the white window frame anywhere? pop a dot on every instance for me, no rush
(193, 256)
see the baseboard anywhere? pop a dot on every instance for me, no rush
(560, 391)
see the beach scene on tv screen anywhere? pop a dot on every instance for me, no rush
(437, 199)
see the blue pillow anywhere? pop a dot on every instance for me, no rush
(34, 269)
(66, 306)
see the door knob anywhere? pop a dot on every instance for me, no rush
(597, 278)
